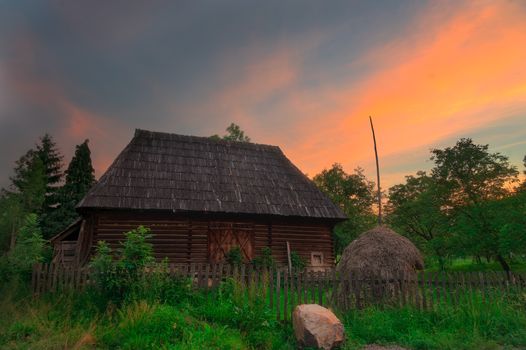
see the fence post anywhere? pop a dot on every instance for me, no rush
(278, 290)
(285, 296)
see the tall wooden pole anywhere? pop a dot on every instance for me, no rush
(377, 175)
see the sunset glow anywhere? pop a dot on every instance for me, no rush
(428, 75)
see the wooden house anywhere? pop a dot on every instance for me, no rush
(200, 197)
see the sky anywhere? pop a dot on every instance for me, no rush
(303, 75)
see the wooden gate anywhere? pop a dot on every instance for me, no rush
(223, 236)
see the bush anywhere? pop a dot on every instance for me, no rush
(234, 256)
(265, 260)
(134, 275)
(297, 261)
(28, 250)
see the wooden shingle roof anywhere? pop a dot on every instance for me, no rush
(161, 171)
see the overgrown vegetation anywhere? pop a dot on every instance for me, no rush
(135, 304)
(468, 205)
(499, 324)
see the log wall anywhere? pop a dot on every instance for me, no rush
(184, 239)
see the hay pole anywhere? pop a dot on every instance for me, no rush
(377, 174)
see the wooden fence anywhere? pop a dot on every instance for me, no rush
(283, 290)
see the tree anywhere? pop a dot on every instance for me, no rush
(469, 176)
(522, 186)
(80, 176)
(29, 182)
(234, 133)
(29, 248)
(51, 159)
(25, 195)
(414, 209)
(355, 195)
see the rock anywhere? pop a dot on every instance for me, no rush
(317, 327)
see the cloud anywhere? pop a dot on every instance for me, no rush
(51, 110)
(452, 77)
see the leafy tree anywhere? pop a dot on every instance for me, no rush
(469, 175)
(80, 176)
(234, 133)
(355, 195)
(26, 195)
(414, 209)
(522, 186)
(29, 182)
(28, 248)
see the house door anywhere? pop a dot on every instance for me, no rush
(223, 236)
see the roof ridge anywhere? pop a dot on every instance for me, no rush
(205, 139)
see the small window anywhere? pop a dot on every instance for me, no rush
(316, 259)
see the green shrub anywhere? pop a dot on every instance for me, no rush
(28, 250)
(133, 274)
(265, 260)
(234, 256)
(297, 261)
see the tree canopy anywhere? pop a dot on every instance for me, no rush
(355, 195)
(234, 133)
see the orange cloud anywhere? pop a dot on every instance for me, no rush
(465, 70)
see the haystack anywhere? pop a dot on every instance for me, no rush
(380, 253)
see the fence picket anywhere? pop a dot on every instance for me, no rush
(278, 290)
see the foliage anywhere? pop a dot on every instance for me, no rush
(522, 186)
(470, 325)
(297, 261)
(414, 210)
(265, 260)
(234, 256)
(80, 176)
(469, 177)
(29, 182)
(234, 133)
(355, 195)
(28, 250)
(51, 158)
(133, 273)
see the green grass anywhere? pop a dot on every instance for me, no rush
(219, 320)
(232, 318)
(473, 325)
(470, 265)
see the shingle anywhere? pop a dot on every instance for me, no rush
(178, 173)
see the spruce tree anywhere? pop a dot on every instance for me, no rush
(80, 176)
(52, 160)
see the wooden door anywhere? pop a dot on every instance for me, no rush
(223, 236)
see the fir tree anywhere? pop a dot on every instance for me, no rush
(52, 160)
(80, 176)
